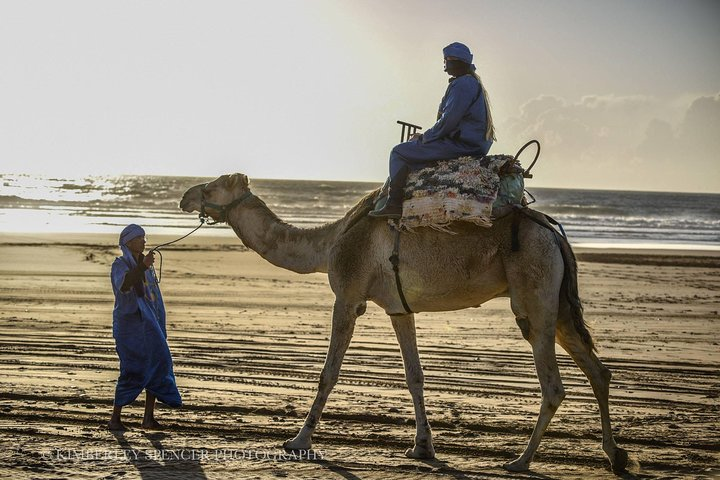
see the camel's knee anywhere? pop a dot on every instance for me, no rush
(552, 397)
(601, 383)
(327, 381)
(524, 325)
(605, 374)
(415, 381)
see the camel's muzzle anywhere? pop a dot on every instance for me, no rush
(191, 199)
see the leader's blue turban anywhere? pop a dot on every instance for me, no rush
(128, 233)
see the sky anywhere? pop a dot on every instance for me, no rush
(621, 94)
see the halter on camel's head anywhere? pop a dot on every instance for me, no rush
(235, 188)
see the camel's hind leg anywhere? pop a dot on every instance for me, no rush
(599, 377)
(405, 331)
(343, 325)
(537, 320)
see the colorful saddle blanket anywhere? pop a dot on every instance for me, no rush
(463, 189)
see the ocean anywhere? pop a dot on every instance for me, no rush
(105, 204)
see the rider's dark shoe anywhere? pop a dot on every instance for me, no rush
(388, 211)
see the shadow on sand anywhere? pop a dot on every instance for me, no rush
(163, 461)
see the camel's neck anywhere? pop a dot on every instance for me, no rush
(297, 249)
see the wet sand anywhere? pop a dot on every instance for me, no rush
(249, 340)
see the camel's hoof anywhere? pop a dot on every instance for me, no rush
(295, 444)
(518, 465)
(420, 452)
(620, 462)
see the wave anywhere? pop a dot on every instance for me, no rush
(100, 203)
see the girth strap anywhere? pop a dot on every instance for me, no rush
(515, 233)
(395, 261)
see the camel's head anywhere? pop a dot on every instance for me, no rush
(213, 198)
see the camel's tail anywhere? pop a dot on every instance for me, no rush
(570, 295)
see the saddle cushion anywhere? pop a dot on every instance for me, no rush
(462, 189)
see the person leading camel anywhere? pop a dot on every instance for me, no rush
(139, 332)
(464, 128)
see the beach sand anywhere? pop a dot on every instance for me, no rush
(249, 340)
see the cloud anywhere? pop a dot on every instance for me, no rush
(693, 143)
(700, 128)
(623, 141)
(659, 141)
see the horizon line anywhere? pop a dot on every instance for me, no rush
(378, 182)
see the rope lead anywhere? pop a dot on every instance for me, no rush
(158, 278)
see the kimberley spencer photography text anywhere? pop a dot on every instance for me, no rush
(185, 454)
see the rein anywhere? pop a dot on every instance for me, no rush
(158, 278)
(203, 216)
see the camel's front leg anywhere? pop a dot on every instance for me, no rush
(405, 331)
(343, 325)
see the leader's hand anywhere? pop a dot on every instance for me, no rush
(149, 259)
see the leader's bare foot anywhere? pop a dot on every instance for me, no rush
(116, 426)
(151, 424)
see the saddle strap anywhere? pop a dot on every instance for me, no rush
(549, 221)
(548, 218)
(395, 261)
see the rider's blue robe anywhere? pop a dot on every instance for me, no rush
(460, 129)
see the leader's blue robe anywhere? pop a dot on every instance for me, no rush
(141, 340)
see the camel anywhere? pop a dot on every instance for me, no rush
(438, 272)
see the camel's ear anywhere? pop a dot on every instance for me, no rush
(237, 179)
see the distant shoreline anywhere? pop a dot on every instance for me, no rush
(592, 219)
(645, 254)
